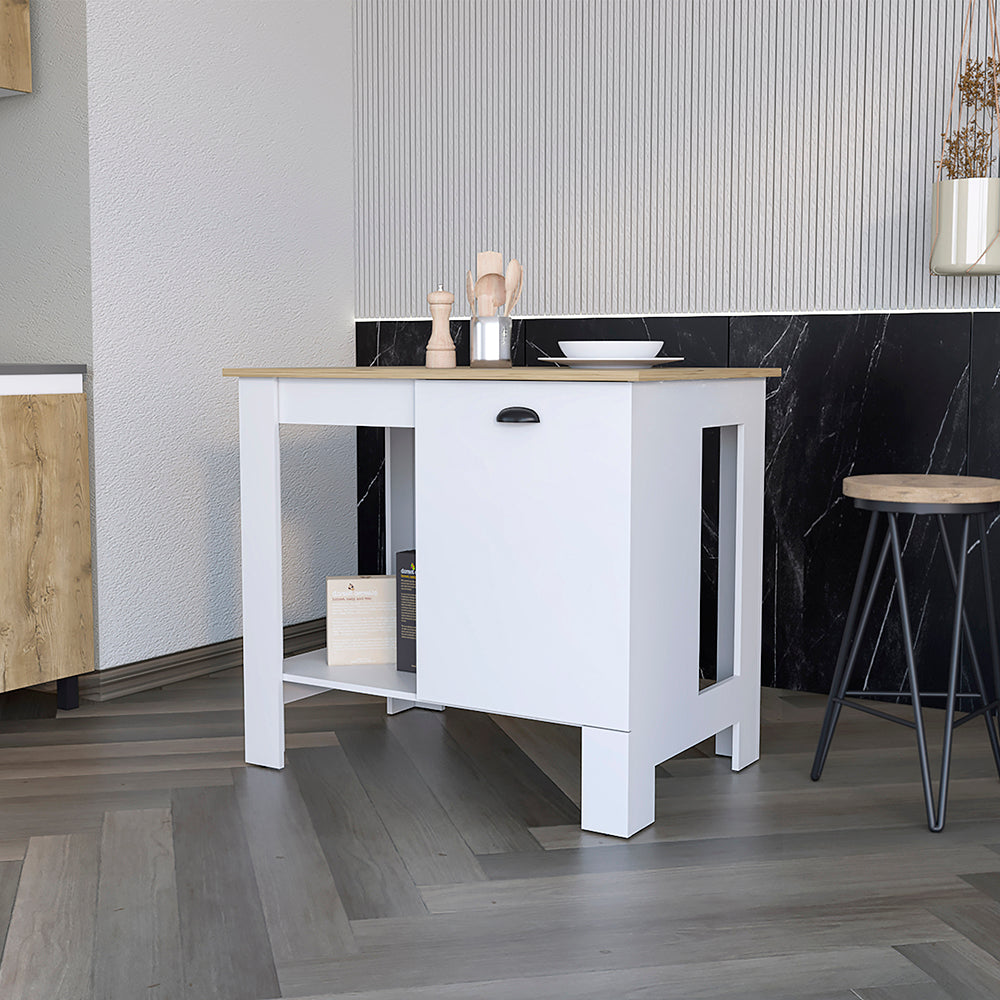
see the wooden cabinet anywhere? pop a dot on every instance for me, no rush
(46, 608)
(15, 48)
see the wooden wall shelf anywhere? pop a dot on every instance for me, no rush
(15, 48)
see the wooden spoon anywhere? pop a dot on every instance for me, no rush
(489, 290)
(488, 262)
(511, 284)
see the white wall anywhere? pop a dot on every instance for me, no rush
(221, 207)
(44, 211)
(655, 156)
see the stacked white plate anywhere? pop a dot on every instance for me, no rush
(610, 354)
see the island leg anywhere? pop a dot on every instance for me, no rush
(618, 783)
(260, 508)
(741, 527)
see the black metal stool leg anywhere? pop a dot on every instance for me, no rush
(973, 657)
(911, 669)
(937, 823)
(849, 644)
(991, 614)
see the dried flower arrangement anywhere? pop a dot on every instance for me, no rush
(966, 212)
(968, 151)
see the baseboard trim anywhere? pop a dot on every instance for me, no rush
(146, 675)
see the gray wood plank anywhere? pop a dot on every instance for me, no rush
(137, 946)
(178, 725)
(987, 883)
(224, 939)
(979, 922)
(71, 813)
(10, 875)
(367, 869)
(305, 918)
(13, 850)
(633, 984)
(912, 991)
(545, 944)
(50, 941)
(479, 814)
(962, 970)
(18, 780)
(526, 789)
(699, 890)
(783, 772)
(814, 807)
(634, 855)
(136, 756)
(102, 784)
(426, 839)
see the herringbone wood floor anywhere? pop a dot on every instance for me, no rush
(439, 855)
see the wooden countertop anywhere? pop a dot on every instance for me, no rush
(666, 373)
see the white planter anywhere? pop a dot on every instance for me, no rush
(966, 221)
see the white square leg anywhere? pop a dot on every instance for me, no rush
(618, 783)
(260, 505)
(741, 741)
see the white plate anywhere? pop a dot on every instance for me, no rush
(619, 350)
(611, 362)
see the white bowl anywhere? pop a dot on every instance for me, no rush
(610, 349)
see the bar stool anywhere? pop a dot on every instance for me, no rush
(942, 496)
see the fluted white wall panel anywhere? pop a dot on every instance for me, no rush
(655, 156)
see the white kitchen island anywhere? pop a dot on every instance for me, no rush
(556, 515)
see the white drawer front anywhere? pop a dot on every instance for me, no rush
(522, 536)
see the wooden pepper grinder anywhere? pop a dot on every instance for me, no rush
(440, 348)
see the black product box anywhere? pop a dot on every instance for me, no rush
(406, 610)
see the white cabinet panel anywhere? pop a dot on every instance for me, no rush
(346, 402)
(523, 549)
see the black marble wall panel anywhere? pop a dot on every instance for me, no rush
(859, 394)
(984, 421)
(984, 459)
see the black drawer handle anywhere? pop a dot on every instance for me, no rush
(517, 415)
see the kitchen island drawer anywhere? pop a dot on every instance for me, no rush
(522, 533)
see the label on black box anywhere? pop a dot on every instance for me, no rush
(406, 610)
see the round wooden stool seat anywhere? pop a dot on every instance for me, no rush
(916, 489)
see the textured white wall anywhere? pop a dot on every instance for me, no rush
(655, 156)
(221, 203)
(44, 210)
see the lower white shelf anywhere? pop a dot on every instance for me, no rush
(382, 679)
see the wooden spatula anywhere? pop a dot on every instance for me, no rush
(517, 295)
(512, 284)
